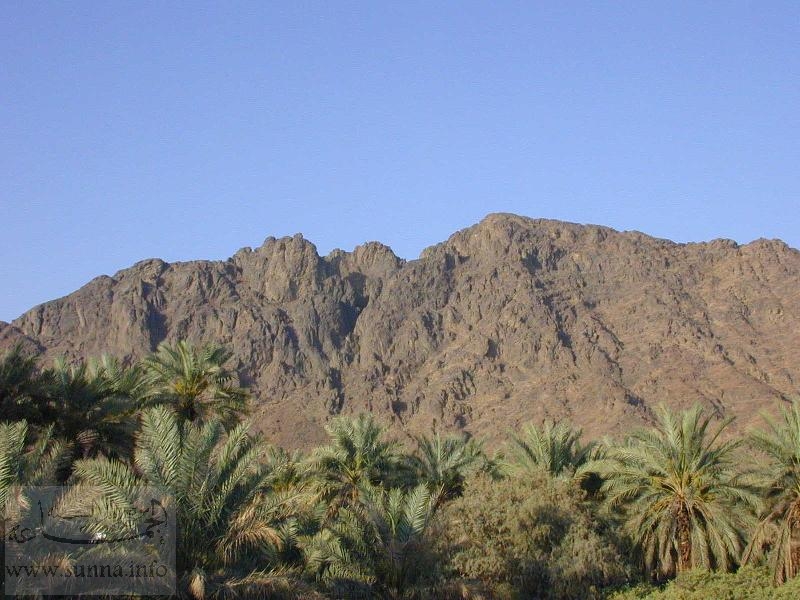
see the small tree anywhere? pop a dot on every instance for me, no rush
(779, 476)
(233, 529)
(528, 536)
(25, 462)
(357, 453)
(684, 502)
(195, 383)
(86, 406)
(554, 448)
(21, 390)
(444, 463)
(378, 544)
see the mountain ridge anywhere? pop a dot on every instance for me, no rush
(509, 320)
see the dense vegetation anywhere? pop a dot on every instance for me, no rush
(680, 510)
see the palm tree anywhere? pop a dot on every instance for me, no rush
(444, 463)
(24, 463)
(87, 405)
(682, 500)
(20, 386)
(12, 443)
(125, 381)
(233, 530)
(357, 453)
(377, 545)
(555, 448)
(779, 476)
(195, 382)
(287, 470)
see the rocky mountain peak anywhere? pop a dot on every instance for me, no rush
(510, 320)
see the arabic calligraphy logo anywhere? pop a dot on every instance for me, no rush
(61, 542)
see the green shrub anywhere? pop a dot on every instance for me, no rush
(528, 537)
(749, 583)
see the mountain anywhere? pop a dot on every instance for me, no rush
(511, 320)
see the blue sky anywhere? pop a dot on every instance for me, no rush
(130, 130)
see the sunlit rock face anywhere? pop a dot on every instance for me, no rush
(508, 321)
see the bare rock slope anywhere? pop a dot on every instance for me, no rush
(508, 321)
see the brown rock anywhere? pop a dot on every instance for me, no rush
(508, 321)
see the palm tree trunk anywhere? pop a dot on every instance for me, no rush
(794, 543)
(794, 560)
(684, 539)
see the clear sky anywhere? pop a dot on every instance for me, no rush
(131, 129)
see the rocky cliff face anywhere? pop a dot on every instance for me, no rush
(508, 321)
